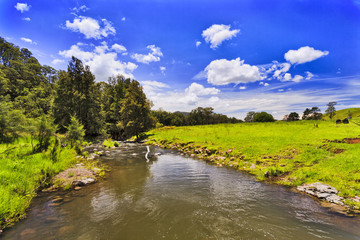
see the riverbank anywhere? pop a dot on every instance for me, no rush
(287, 153)
(24, 173)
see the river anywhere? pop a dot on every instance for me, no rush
(177, 197)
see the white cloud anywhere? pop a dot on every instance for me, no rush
(281, 90)
(304, 54)
(309, 75)
(151, 88)
(242, 88)
(123, 19)
(102, 61)
(266, 84)
(162, 69)
(223, 72)
(22, 7)
(26, 19)
(218, 33)
(287, 77)
(198, 43)
(83, 8)
(28, 40)
(200, 90)
(57, 61)
(297, 78)
(91, 27)
(118, 48)
(153, 56)
(284, 68)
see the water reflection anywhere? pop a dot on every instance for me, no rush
(175, 197)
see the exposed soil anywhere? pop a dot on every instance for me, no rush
(352, 140)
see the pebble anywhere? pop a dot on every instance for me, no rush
(322, 191)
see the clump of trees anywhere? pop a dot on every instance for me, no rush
(41, 100)
(259, 117)
(293, 116)
(197, 116)
(312, 114)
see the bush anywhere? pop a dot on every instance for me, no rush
(263, 117)
(42, 131)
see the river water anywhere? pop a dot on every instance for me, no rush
(176, 197)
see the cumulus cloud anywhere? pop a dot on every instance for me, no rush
(304, 54)
(151, 88)
(200, 90)
(266, 84)
(27, 19)
(123, 19)
(22, 7)
(153, 56)
(118, 48)
(198, 43)
(102, 61)
(57, 61)
(28, 40)
(242, 88)
(223, 72)
(90, 27)
(218, 33)
(287, 77)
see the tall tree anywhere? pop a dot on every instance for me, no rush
(331, 109)
(77, 95)
(249, 117)
(135, 111)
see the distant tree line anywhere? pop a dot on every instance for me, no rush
(197, 116)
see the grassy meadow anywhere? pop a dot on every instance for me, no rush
(289, 153)
(22, 173)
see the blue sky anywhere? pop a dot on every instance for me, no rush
(236, 56)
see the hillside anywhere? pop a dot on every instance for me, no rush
(344, 113)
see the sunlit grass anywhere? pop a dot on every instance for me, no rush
(22, 173)
(300, 151)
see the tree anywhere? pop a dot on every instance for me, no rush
(75, 132)
(263, 117)
(249, 117)
(44, 129)
(76, 94)
(135, 111)
(12, 122)
(331, 109)
(293, 116)
(312, 114)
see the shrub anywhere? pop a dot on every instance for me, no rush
(263, 117)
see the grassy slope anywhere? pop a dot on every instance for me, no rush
(21, 173)
(342, 114)
(298, 149)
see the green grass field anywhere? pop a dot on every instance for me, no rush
(289, 153)
(22, 173)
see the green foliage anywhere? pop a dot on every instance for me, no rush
(331, 111)
(249, 117)
(42, 132)
(109, 143)
(77, 95)
(312, 114)
(135, 112)
(12, 122)
(293, 116)
(263, 117)
(75, 132)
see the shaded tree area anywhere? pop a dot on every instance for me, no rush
(41, 101)
(197, 116)
(331, 109)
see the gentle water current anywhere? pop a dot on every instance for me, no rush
(175, 197)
